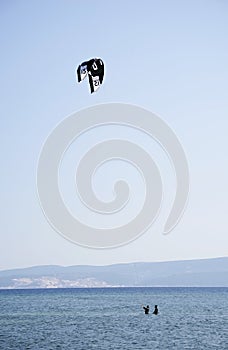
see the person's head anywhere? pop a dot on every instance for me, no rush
(155, 306)
(148, 307)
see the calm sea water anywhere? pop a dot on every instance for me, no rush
(81, 319)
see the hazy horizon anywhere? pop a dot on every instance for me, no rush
(118, 263)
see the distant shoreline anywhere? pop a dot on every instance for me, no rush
(183, 274)
(115, 288)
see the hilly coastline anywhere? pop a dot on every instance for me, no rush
(186, 273)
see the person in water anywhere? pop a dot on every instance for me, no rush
(146, 309)
(155, 312)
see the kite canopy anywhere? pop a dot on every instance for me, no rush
(94, 68)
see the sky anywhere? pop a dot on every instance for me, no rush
(169, 57)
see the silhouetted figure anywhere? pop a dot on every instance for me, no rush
(146, 309)
(155, 312)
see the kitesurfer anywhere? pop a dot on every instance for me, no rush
(146, 309)
(155, 312)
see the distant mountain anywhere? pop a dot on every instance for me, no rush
(199, 273)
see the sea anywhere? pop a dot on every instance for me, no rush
(113, 318)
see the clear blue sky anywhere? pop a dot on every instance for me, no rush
(167, 56)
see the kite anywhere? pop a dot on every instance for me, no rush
(94, 68)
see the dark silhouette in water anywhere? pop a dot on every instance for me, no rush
(146, 309)
(155, 312)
